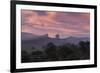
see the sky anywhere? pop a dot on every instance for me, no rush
(50, 22)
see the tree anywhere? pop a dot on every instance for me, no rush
(69, 52)
(51, 52)
(85, 48)
(25, 57)
(38, 56)
(33, 48)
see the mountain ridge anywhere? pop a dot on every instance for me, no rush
(44, 40)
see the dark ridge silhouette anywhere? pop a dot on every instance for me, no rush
(52, 52)
(30, 40)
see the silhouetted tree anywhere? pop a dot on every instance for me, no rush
(33, 48)
(38, 56)
(51, 52)
(25, 57)
(85, 48)
(69, 52)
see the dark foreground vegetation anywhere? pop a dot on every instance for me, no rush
(51, 52)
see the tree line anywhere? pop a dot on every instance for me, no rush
(63, 52)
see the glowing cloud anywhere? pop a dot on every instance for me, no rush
(48, 22)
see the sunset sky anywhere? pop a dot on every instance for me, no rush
(49, 22)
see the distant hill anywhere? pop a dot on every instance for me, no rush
(27, 36)
(29, 40)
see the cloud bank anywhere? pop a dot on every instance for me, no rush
(49, 22)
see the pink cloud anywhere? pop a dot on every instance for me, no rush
(56, 23)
